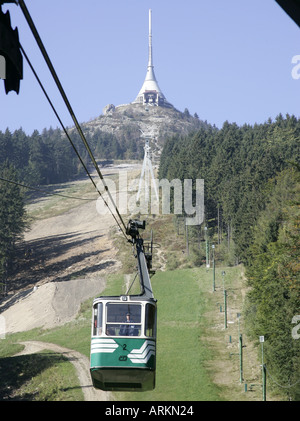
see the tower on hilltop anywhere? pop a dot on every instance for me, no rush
(150, 92)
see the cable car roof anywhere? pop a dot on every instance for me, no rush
(124, 298)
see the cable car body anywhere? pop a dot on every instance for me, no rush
(123, 342)
(123, 352)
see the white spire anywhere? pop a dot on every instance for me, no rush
(150, 63)
(150, 92)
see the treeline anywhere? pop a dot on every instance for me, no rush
(235, 163)
(49, 158)
(12, 221)
(251, 179)
(46, 158)
(41, 159)
(273, 273)
(33, 160)
(108, 146)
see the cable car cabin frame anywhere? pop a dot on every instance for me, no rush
(123, 353)
(123, 343)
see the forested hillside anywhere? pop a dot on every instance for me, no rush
(48, 157)
(273, 274)
(236, 163)
(252, 198)
(12, 220)
(39, 159)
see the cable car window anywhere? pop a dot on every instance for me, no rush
(97, 323)
(150, 320)
(123, 319)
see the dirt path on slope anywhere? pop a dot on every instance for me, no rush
(71, 256)
(64, 260)
(80, 362)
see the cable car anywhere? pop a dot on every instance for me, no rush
(123, 343)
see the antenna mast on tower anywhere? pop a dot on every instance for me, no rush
(150, 93)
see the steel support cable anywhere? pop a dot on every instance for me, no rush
(67, 134)
(68, 105)
(127, 292)
(54, 110)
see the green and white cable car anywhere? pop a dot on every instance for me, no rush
(123, 344)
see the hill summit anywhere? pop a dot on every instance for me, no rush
(137, 121)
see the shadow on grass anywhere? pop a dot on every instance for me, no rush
(16, 371)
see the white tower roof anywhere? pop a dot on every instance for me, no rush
(150, 92)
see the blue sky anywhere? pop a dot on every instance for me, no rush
(225, 60)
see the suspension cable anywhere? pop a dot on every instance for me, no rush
(67, 103)
(127, 292)
(70, 140)
(54, 110)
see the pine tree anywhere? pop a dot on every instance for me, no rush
(273, 275)
(12, 219)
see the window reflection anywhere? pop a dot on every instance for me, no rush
(150, 320)
(97, 323)
(123, 319)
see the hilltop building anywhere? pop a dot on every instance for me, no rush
(150, 92)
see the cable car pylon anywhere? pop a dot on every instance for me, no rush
(147, 174)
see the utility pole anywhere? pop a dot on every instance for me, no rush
(241, 356)
(228, 237)
(225, 309)
(214, 268)
(225, 300)
(263, 368)
(206, 248)
(187, 239)
(219, 235)
(264, 382)
(238, 315)
(223, 278)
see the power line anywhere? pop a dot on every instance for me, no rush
(67, 103)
